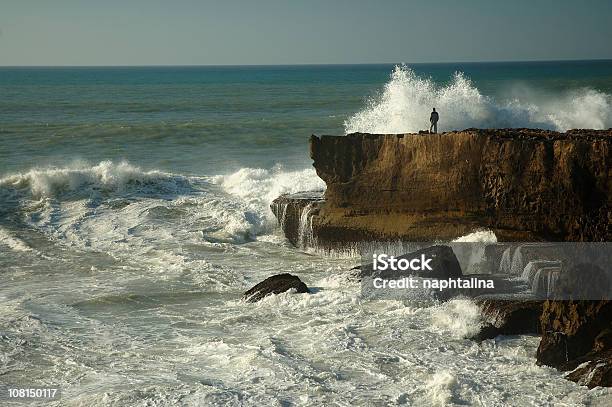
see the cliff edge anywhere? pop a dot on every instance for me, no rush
(523, 184)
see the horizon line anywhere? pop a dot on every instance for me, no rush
(307, 64)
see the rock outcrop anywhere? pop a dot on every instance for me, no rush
(577, 337)
(276, 284)
(294, 213)
(503, 317)
(524, 185)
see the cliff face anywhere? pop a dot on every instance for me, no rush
(523, 184)
(577, 337)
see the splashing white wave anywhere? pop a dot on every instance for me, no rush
(259, 187)
(120, 208)
(87, 180)
(482, 236)
(461, 318)
(406, 100)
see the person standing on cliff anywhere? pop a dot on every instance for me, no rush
(433, 119)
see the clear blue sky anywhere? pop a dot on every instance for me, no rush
(211, 32)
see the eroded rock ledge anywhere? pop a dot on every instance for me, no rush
(523, 184)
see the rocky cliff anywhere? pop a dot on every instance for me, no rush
(523, 184)
(577, 337)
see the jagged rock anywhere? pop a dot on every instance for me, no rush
(509, 317)
(275, 285)
(569, 330)
(431, 187)
(592, 370)
(294, 213)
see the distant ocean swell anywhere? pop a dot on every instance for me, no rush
(404, 104)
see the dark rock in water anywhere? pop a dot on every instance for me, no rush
(444, 264)
(575, 332)
(509, 317)
(593, 369)
(275, 285)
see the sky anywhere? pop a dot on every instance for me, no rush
(267, 32)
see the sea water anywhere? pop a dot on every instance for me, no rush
(134, 211)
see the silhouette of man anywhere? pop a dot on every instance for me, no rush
(433, 119)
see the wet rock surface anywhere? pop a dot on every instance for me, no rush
(505, 317)
(276, 284)
(577, 336)
(294, 213)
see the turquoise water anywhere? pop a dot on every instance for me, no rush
(134, 212)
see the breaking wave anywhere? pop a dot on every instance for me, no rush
(117, 207)
(87, 181)
(404, 104)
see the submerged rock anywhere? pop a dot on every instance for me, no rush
(509, 317)
(275, 285)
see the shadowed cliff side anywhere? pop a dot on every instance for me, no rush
(523, 184)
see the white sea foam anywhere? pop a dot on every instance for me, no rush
(259, 187)
(479, 236)
(256, 188)
(87, 180)
(13, 242)
(472, 257)
(439, 388)
(406, 100)
(461, 318)
(129, 212)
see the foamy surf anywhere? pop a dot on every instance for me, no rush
(120, 208)
(181, 253)
(404, 103)
(13, 242)
(81, 178)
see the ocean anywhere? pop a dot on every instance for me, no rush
(134, 212)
